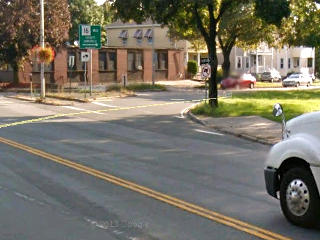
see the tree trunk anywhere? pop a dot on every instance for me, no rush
(213, 85)
(226, 63)
(15, 68)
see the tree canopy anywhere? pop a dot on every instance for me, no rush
(298, 20)
(88, 12)
(202, 17)
(20, 27)
(204, 14)
(302, 26)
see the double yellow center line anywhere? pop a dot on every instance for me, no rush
(186, 206)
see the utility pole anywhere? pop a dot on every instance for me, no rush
(43, 83)
(153, 55)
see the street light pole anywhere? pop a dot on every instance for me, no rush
(153, 55)
(43, 83)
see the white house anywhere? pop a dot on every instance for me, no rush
(285, 60)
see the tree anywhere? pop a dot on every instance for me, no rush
(88, 12)
(239, 26)
(302, 26)
(272, 11)
(193, 13)
(298, 20)
(20, 28)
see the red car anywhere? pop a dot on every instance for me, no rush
(244, 81)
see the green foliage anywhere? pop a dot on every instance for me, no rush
(240, 26)
(302, 27)
(272, 11)
(192, 67)
(317, 62)
(201, 17)
(19, 28)
(141, 87)
(294, 103)
(88, 12)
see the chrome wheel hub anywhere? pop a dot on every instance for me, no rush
(298, 198)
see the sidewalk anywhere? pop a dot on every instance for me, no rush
(181, 83)
(253, 128)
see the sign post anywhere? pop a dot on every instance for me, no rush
(85, 57)
(90, 38)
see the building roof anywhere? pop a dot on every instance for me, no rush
(120, 24)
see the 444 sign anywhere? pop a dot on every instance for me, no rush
(89, 36)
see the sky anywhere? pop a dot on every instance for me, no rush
(100, 1)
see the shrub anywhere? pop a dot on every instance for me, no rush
(192, 67)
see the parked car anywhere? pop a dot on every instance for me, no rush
(292, 169)
(271, 76)
(246, 80)
(297, 79)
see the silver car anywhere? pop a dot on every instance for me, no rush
(296, 80)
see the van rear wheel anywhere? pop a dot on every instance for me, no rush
(299, 197)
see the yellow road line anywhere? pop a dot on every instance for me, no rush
(189, 207)
(40, 119)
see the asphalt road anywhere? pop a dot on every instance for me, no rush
(143, 140)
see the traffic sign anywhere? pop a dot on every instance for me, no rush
(89, 36)
(85, 57)
(206, 71)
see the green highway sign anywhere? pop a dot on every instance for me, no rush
(89, 36)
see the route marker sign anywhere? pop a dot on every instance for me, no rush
(89, 36)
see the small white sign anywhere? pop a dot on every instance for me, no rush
(86, 30)
(85, 57)
(206, 71)
(71, 61)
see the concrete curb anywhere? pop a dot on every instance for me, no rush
(194, 118)
(71, 99)
(35, 100)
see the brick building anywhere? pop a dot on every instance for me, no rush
(128, 53)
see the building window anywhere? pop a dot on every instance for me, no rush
(80, 65)
(107, 60)
(149, 35)
(281, 63)
(161, 61)
(135, 61)
(124, 36)
(260, 60)
(310, 62)
(239, 62)
(289, 63)
(296, 62)
(247, 63)
(138, 35)
(71, 61)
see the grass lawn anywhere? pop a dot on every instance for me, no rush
(268, 84)
(261, 103)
